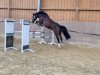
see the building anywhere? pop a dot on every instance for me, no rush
(59, 10)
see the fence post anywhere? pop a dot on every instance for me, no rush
(9, 7)
(77, 10)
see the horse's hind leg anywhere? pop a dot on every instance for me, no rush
(57, 37)
(61, 38)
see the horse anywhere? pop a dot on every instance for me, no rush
(46, 21)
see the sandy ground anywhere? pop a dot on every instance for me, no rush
(50, 60)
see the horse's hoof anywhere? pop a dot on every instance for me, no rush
(59, 46)
(62, 44)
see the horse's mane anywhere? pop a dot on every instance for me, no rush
(42, 12)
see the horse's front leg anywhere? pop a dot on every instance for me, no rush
(39, 23)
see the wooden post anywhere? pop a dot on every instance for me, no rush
(77, 10)
(9, 6)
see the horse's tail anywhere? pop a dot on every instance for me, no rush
(65, 32)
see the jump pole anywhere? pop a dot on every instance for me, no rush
(52, 39)
(42, 38)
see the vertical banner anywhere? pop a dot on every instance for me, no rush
(9, 34)
(25, 34)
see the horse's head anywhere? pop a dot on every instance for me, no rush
(37, 15)
(34, 17)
